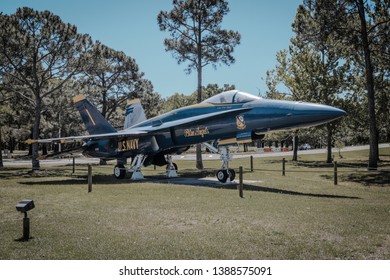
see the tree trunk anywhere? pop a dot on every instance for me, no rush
(295, 148)
(104, 105)
(373, 141)
(199, 162)
(37, 120)
(44, 149)
(329, 143)
(1, 150)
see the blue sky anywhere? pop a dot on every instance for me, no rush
(131, 26)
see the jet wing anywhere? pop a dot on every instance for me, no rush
(81, 138)
(136, 131)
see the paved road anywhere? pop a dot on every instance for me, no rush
(51, 162)
(83, 160)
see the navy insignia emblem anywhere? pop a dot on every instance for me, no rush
(240, 122)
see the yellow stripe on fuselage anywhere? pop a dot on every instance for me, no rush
(233, 140)
(227, 141)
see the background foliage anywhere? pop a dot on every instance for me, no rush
(45, 62)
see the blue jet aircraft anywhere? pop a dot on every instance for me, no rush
(227, 118)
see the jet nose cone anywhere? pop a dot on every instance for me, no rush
(332, 112)
(318, 114)
(339, 113)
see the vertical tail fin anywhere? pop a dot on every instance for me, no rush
(92, 118)
(134, 113)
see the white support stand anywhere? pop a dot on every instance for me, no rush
(135, 168)
(171, 168)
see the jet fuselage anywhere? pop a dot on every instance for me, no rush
(232, 120)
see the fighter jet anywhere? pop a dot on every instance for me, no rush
(224, 119)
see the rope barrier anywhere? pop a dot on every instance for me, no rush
(308, 165)
(334, 169)
(318, 171)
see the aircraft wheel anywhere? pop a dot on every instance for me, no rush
(222, 175)
(232, 174)
(119, 171)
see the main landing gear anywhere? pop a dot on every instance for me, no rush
(135, 169)
(120, 170)
(225, 174)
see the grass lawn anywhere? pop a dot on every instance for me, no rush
(302, 215)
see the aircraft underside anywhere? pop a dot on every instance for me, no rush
(134, 172)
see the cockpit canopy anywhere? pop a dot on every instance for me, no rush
(231, 96)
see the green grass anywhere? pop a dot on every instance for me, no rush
(298, 216)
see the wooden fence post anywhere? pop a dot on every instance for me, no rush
(74, 165)
(89, 178)
(241, 184)
(251, 163)
(284, 167)
(335, 172)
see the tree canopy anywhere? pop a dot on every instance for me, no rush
(37, 48)
(196, 37)
(45, 62)
(338, 57)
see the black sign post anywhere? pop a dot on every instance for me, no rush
(24, 206)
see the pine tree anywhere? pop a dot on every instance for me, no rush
(196, 37)
(37, 47)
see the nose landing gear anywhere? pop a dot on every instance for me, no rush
(225, 174)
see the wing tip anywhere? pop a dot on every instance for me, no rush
(30, 141)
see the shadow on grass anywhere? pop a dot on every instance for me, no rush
(313, 164)
(80, 180)
(210, 183)
(366, 178)
(205, 182)
(287, 192)
(354, 164)
(15, 172)
(369, 178)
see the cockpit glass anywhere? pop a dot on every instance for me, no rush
(232, 96)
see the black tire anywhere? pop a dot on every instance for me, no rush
(119, 171)
(222, 175)
(232, 174)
